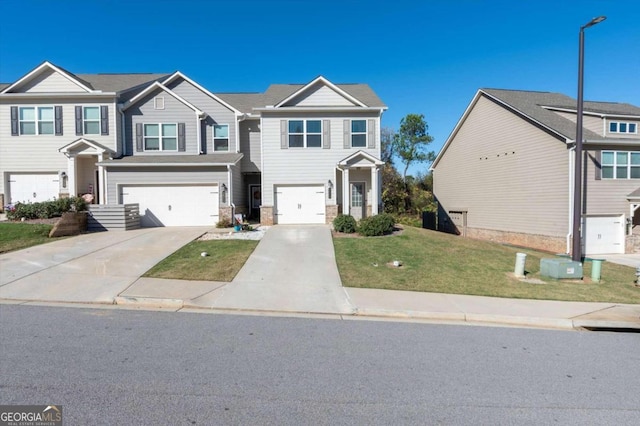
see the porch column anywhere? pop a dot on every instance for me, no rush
(345, 192)
(101, 181)
(374, 191)
(71, 172)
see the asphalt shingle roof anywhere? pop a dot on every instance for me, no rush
(227, 158)
(119, 82)
(531, 104)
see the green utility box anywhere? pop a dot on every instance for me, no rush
(561, 268)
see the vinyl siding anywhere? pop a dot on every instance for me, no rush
(622, 135)
(508, 174)
(239, 191)
(606, 196)
(117, 176)
(49, 81)
(218, 113)
(39, 153)
(174, 112)
(250, 146)
(322, 96)
(589, 122)
(305, 165)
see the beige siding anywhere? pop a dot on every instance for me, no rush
(174, 112)
(606, 196)
(49, 81)
(118, 176)
(250, 146)
(589, 122)
(218, 113)
(508, 174)
(322, 96)
(39, 153)
(622, 135)
(305, 165)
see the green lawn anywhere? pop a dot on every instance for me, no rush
(225, 259)
(443, 263)
(16, 236)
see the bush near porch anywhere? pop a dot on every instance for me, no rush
(45, 209)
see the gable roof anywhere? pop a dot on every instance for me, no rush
(536, 107)
(325, 82)
(159, 86)
(244, 102)
(277, 93)
(120, 82)
(41, 68)
(178, 74)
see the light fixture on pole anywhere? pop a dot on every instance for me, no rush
(576, 248)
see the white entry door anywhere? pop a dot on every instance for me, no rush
(174, 205)
(358, 200)
(33, 188)
(300, 204)
(604, 235)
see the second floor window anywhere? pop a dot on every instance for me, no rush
(36, 121)
(358, 133)
(160, 137)
(305, 134)
(620, 165)
(91, 120)
(221, 137)
(621, 127)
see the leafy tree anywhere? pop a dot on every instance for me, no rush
(411, 142)
(386, 144)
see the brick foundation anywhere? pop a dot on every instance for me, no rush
(539, 242)
(224, 213)
(266, 215)
(1, 202)
(330, 213)
(71, 223)
(632, 244)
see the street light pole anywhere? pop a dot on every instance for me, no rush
(576, 248)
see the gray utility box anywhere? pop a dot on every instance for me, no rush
(560, 268)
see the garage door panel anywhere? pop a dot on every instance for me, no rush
(33, 188)
(300, 204)
(604, 235)
(174, 205)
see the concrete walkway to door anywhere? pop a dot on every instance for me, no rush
(292, 269)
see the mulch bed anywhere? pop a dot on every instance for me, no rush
(397, 230)
(51, 221)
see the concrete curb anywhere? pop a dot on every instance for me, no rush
(149, 302)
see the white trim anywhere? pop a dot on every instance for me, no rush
(305, 133)
(99, 148)
(109, 164)
(213, 137)
(352, 133)
(84, 120)
(592, 113)
(320, 109)
(366, 155)
(36, 120)
(160, 86)
(160, 137)
(179, 74)
(158, 102)
(327, 83)
(38, 70)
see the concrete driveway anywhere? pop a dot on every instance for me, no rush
(89, 268)
(293, 269)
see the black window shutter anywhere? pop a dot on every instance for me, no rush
(182, 142)
(104, 120)
(139, 138)
(79, 130)
(15, 128)
(598, 165)
(58, 119)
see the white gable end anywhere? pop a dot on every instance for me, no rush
(48, 81)
(320, 95)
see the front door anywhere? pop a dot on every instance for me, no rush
(255, 201)
(358, 201)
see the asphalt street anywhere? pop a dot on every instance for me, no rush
(114, 366)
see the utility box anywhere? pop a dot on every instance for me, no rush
(561, 269)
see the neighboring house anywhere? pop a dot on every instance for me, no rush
(506, 172)
(294, 154)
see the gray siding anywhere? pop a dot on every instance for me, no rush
(174, 112)
(50, 81)
(239, 191)
(306, 165)
(606, 196)
(218, 113)
(508, 174)
(321, 96)
(250, 146)
(117, 176)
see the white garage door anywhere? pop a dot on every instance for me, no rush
(300, 204)
(604, 235)
(173, 205)
(32, 188)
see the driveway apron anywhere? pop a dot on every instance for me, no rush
(91, 268)
(293, 269)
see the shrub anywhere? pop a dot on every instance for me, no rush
(223, 223)
(46, 209)
(345, 223)
(374, 226)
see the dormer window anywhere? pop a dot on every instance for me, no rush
(623, 127)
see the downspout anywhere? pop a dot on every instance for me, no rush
(572, 151)
(121, 146)
(230, 195)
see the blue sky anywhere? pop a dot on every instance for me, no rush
(420, 56)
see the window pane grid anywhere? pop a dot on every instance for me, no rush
(36, 120)
(358, 133)
(305, 133)
(221, 137)
(91, 120)
(160, 137)
(620, 165)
